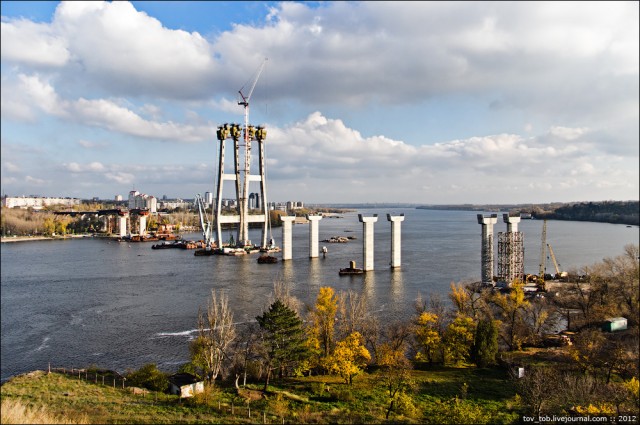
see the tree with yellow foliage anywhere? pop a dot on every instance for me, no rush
(349, 357)
(428, 337)
(458, 339)
(396, 377)
(322, 321)
(511, 308)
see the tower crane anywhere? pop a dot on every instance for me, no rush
(543, 256)
(242, 183)
(245, 98)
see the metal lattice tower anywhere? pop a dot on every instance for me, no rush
(511, 251)
(510, 256)
(486, 256)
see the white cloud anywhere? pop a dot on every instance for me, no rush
(105, 71)
(33, 44)
(35, 181)
(11, 167)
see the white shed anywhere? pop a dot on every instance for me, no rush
(185, 385)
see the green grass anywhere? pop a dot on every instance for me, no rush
(436, 397)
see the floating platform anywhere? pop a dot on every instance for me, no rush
(351, 270)
(267, 259)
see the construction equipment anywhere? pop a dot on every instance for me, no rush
(205, 223)
(559, 274)
(543, 256)
(245, 99)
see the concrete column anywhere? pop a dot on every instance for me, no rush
(512, 223)
(367, 240)
(122, 226)
(287, 222)
(396, 239)
(105, 223)
(486, 256)
(313, 235)
(142, 225)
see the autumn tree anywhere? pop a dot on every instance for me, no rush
(468, 300)
(283, 339)
(349, 357)
(540, 317)
(322, 318)
(510, 309)
(395, 371)
(458, 339)
(428, 337)
(216, 331)
(439, 312)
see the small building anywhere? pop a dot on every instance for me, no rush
(185, 385)
(614, 324)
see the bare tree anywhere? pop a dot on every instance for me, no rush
(538, 388)
(282, 292)
(352, 313)
(216, 331)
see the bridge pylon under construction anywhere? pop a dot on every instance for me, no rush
(242, 137)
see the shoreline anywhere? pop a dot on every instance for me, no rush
(40, 238)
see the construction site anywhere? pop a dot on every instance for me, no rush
(510, 256)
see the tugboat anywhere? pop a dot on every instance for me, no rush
(352, 269)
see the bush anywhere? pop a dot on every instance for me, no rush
(343, 395)
(149, 377)
(317, 388)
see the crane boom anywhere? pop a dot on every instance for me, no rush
(543, 257)
(553, 258)
(205, 224)
(245, 99)
(559, 274)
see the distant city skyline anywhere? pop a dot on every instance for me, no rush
(364, 102)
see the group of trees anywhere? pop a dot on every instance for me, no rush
(623, 212)
(19, 222)
(339, 334)
(29, 222)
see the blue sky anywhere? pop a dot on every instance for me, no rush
(425, 102)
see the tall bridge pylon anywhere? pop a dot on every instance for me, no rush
(242, 178)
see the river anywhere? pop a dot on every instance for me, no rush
(90, 301)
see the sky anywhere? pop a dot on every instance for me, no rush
(363, 102)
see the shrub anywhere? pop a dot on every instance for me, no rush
(149, 377)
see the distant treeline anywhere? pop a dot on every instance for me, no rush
(616, 212)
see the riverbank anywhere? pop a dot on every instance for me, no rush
(40, 238)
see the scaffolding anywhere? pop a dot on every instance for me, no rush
(510, 256)
(487, 247)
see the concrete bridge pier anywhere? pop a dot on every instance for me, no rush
(396, 239)
(313, 235)
(142, 225)
(367, 240)
(512, 222)
(105, 223)
(486, 255)
(122, 225)
(287, 233)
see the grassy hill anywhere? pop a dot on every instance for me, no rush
(438, 395)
